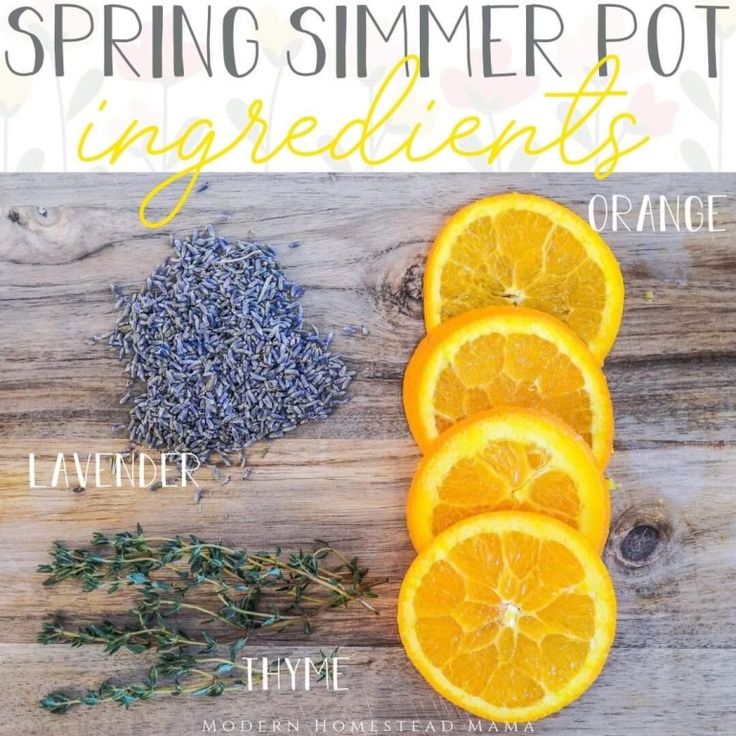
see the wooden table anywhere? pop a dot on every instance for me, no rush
(672, 375)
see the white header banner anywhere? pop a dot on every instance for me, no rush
(282, 86)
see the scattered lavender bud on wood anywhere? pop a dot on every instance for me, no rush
(355, 331)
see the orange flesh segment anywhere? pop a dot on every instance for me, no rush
(524, 259)
(523, 370)
(504, 460)
(523, 250)
(522, 617)
(526, 660)
(507, 357)
(476, 486)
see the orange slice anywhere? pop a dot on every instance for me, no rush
(504, 460)
(524, 250)
(506, 356)
(509, 615)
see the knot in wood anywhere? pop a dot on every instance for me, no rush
(640, 536)
(404, 287)
(640, 543)
(411, 284)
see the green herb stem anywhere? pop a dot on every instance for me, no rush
(251, 593)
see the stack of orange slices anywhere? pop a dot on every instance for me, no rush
(508, 610)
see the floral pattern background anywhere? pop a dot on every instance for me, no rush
(687, 116)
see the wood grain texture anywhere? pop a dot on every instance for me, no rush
(672, 550)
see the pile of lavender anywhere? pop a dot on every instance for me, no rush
(217, 351)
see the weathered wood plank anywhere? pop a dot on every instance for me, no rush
(656, 401)
(362, 237)
(353, 494)
(672, 375)
(362, 270)
(637, 694)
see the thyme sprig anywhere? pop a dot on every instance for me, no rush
(211, 583)
(252, 590)
(176, 674)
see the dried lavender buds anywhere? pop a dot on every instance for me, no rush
(217, 351)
